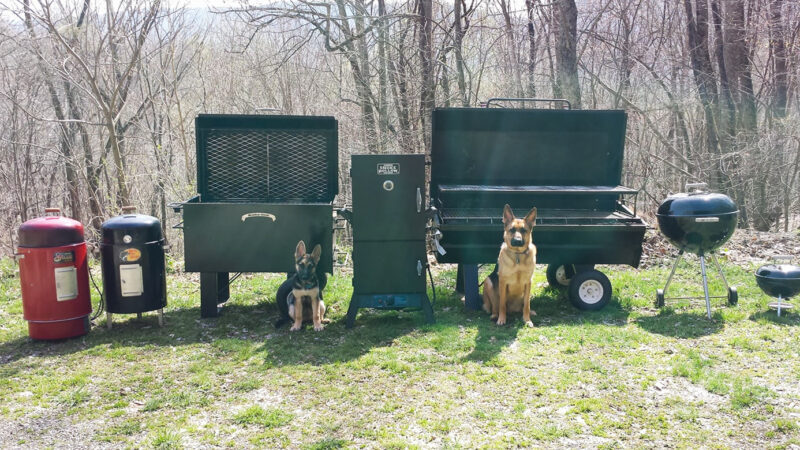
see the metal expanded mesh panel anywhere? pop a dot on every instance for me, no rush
(238, 167)
(263, 162)
(298, 166)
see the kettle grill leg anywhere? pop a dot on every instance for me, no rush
(719, 269)
(108, 320)
(674, 266)
(705, 284)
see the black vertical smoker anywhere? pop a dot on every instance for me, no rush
(134, 271)
(388, 219)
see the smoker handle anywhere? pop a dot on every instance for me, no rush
(419, 200)
(566, 104)
(698, 186)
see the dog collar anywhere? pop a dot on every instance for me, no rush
(520, 253)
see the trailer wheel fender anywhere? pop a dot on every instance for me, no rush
(590, 290)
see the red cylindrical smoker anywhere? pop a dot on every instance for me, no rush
(54, 275)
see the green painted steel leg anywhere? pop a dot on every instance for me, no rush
(471, 298)
(209, 294)
(460, 279)
(428, 309)
(350, 320)
(224, 287)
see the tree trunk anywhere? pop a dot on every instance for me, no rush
(777, 44)
(738, 64)
(458, 38)
(566, 52)
(531, 87)
(512, 57)
(383, 98)
(427, 100)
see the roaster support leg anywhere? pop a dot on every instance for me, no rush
(471, 298)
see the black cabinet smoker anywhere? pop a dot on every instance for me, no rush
(388, 219)
(134, 272)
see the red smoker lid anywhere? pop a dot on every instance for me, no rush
(50, 231)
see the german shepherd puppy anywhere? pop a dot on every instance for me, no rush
(299, 298)
(508, 287)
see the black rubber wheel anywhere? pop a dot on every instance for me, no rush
(590, 290)
(733, 296)
(660, 298)
(558, 275)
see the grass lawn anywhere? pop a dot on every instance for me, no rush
(627, 376)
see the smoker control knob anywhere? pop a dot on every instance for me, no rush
(388, 185)
(127, 239)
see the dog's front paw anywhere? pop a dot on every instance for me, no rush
(529, 324)
(295, 327)
(501, 320)
(318, 327)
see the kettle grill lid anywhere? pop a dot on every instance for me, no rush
(697, 204)
(779, 271)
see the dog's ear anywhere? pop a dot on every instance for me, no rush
(300, 251)
(508, 214)
(315, 254)
(530, 218)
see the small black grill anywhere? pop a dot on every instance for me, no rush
(698, 222)
(781, 281)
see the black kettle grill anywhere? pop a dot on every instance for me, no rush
(698, 222)
(780, 281)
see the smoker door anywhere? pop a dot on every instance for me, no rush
(254, 237)
(391, 267)
(388, 197)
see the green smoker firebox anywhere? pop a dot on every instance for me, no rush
(264, 183)
(388, 219)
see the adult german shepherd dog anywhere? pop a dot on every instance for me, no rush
(508, 287)
(299, 298)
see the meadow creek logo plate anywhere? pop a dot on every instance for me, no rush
(389, 169)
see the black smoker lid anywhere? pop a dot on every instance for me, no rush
(140, 227)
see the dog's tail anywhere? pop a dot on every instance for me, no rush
(494, 276)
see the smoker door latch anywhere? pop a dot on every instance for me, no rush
(419, 200)
(419, 268)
